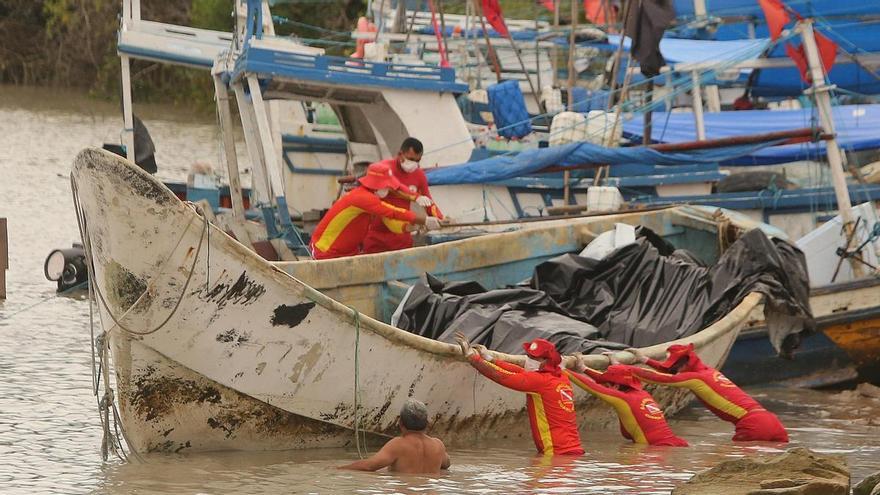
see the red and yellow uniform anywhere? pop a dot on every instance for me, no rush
(549, 399)
(383, 234)
(641, 419)
(343, 228)
(717, 393)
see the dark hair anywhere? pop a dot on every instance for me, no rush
(413, 144)
(414, 415)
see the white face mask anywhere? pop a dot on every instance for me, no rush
(531, 364)
(382, 192)
(409, 165)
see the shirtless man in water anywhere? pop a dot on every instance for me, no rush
(413, 452)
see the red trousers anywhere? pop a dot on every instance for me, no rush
(760, 426)
(379, 241)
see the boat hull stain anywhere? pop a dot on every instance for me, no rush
(243, 291)
(291, 315)
(168, 408)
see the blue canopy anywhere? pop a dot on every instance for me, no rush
(856, 125)
(783, 82)
(807, 8)
(571, 155)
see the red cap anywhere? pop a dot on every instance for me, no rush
(379, 176)
(621, 375)
(544, 349)
(678, 352)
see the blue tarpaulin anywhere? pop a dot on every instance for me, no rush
(856, 125)
(853, 37)
(570, 155)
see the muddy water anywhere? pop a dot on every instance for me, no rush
(50, 434)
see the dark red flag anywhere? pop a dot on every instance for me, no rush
(827, 54)
(493, 15)
(776, 16)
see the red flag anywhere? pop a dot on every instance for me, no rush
(548, 4)
(594, 11)
(776, 16)
(492, 12)
(827, 54)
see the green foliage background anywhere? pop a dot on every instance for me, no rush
(72, 43)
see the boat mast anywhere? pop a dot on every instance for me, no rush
(820, 91)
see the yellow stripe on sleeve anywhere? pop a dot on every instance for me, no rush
(336, 226)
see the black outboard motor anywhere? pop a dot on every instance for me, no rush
(67, 267)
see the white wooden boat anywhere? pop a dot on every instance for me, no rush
(215, 348)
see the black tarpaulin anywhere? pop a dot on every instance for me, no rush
(642, 294)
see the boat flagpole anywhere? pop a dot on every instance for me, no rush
(494, 56)
(820, 92)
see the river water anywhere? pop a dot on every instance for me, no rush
(50, 434)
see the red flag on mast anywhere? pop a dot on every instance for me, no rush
(493, 15)
(776, 16)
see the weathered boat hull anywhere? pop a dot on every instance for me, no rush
(845, 347)
(215, 348)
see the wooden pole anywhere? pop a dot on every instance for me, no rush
(492, 55)
(571, 53)
(697, 102)
(127, 113)
(4, 257)
(224, 115)
(554, 52)
(646, 125)
(566, 176)
(820, 90)
(442, 26)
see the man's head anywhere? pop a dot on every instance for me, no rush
(379, 179)
(410, 154)
(413, 415)
(544, 353)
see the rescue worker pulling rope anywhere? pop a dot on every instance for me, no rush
(641, 419)
(683, 368)
(549, 396)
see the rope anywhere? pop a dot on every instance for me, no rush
(357, 431)
(87, 248)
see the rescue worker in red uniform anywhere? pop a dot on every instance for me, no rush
(342, 230)
(405, 168)
(641, 419)
(549, 397)
(683, 368)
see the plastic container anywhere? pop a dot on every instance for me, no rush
(599, 125)
(568, 127)
(509, 109)
(552, 99)
(603, 198)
